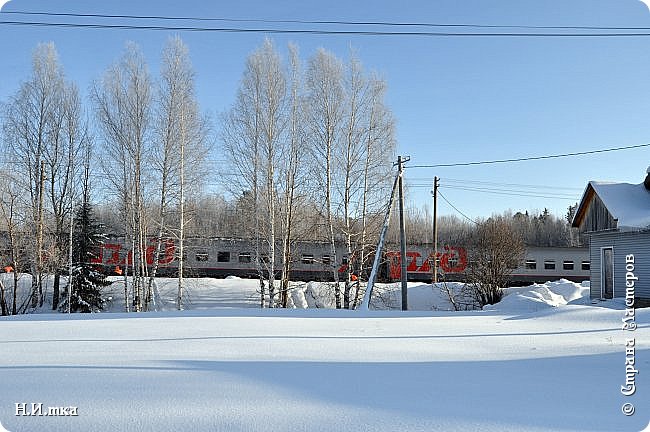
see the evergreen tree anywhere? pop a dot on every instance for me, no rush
(87, 281)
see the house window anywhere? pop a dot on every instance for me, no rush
(307, 258)
(345, 260)
(201, 256)
(326, 260)
(567, 265)
(531, 265)
(586, 265)
(549, 265)
(223, 256)
(264, 259)
(245, 257)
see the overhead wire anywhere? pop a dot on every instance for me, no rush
(530, 158)
(519, 185)
(514, 187)
(455, 208)
(234, 29)
(513, 193)
(325, 22)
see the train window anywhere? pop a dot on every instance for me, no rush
(586, 265)
(223, 256)
(326, 260)
(549, 265)
(244, 257)
(531, 264)
(307, 258)
(567, 265)
(201, 256)
(419, 261)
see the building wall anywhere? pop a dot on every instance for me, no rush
(597, 218)
(623, 243)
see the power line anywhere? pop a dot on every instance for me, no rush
(454, 207)
(530, 158)
(421, 182)
(513, 193)
(520, 185)
(510, 192)
(325, 22)
(314, 31)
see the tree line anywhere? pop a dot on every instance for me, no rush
(309, 145)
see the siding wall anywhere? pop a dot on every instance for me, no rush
(624, 243)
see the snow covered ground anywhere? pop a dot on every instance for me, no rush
(544, 359)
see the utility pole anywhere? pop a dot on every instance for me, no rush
(436, 184)
(365, 304)
(402, 231)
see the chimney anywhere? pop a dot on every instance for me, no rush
(646, 182)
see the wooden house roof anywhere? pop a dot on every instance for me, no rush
(628, 205)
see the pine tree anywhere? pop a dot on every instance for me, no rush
(87, 281)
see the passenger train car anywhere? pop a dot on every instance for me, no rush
(540, 264)
(220, 257)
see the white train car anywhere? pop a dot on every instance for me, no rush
(221, 257)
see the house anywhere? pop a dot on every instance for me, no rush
(616, 216)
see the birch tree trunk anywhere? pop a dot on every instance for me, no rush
(296, 138)
(252, 134)
(123, 103)
(325, 94)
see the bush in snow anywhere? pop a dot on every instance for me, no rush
(496, 250)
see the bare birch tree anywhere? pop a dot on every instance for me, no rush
(181, 141)
(378, 152)
(13, 217)
(349, 161)
(293, 155)
(252, 135)
(72, 136)
(325, 98)
(123, 102)
(32, 126)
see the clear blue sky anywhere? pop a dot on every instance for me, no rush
(456, 99)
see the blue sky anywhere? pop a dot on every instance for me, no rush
(456, 99)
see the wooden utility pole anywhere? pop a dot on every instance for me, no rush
(436, 184)
(402, 231)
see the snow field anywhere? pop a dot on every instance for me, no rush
(541, 362)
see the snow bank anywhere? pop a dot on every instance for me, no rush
(234, 292)
(538, 297)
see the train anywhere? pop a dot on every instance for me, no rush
(311, 260)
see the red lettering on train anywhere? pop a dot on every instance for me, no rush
(453, 260)
(113, 254)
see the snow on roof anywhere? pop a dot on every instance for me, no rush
(628, 203)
